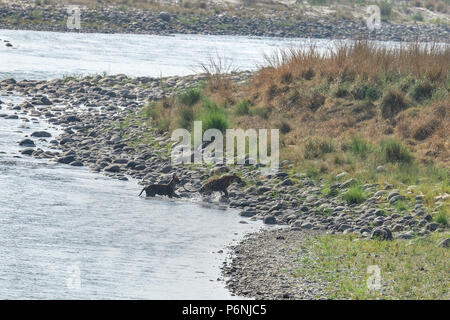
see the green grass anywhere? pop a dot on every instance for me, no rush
(243, 108)
(442, 217)
(214, 117)
(360, 147)
(408, 270)
(190, 97)
(393, 150)
(355, 195)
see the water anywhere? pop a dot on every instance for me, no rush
(49, 55)
(66, 233)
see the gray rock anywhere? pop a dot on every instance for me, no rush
(248, 213)
(348, 183)
(445, 243)
(41, 134)
(67, 159)
(432, 226)
(270, 220)
(112, 168)
(381, 234)
(27, 143)
(165, 16)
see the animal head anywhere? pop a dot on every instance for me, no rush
(236, 178)
(174, 179)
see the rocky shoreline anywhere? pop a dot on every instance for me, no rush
(111, 19)
(96, 115)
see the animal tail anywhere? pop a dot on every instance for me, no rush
(141, 192)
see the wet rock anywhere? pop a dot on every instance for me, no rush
(41, 134)
(66, 159)
(270, 220)
(27, 143)
(112, 168)
(27, 151)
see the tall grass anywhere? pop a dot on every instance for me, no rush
(393, 150)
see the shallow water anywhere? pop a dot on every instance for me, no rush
(69, 233)
(47, 55)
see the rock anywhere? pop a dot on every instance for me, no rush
(45, 101)
(406, 235)
(270, 220)
(27, 143)
(381, 169)
(248, 213)
(67, 159)
(348, 183)
(27, 151)
(72, 119)
(432, 226)
(41, 134)
(341, 175)
(381, 234)
(379, 193)
(76, 164)
(165, 16)
(445, 243)
(112, 168)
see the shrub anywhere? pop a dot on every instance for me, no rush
(263, 112)
(393, 150)
(363, 91)
(417, 17)
(441, 217)
(242, 108)
(421, 90)
(393, 102)
(213, 117)
(315, 148)
(355, 195)
(340, 91)
(426, 129)
(360, 147)
(385, 9)
(190, 97)
(284, 127)
(185, 117)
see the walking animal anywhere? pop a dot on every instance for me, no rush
(162, 189)
(220, 184)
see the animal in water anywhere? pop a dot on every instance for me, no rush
(162, 189)
(220, 184)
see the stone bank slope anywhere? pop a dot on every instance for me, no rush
(249, 22)
(104, 128)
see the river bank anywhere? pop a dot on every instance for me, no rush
(246, 21)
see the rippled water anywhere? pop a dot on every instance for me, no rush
(47, 55)
(69, 233)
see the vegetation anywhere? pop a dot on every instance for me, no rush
(355, 195)
(408, 270)
(351, 109)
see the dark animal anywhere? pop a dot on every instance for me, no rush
(220, 184)
(162, 189)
